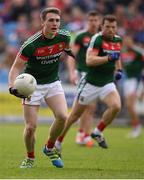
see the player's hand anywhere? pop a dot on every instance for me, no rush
(118, 74)
(112, 57)
(15, 92)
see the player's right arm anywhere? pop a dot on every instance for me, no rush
(92, 58)
(17, 67)
(15, 70)
(92, 55)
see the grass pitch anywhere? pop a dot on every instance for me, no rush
(124, 158)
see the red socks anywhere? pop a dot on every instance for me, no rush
(31, 155)
(50, 144)
(101, 126)
(60, 138)
(135, 122)
(80, 130)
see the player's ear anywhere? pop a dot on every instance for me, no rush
(42, 22)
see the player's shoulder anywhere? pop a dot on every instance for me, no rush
(64, 32)
(81, 33)
(97, 36)
(118, 38)
(32, 39)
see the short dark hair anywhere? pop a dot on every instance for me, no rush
(93, 13)
(109, 17)
(45, 11)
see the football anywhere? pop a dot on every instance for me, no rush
(25, 84)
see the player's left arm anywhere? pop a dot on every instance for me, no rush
(118, 65)
(68, 51)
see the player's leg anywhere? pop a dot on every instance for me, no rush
(85, 124)
(112, 100)
(136, 125)
(30, 115)
(81, 102)
(130, 87)
(59, 107)
(57, 103)
(76, 112)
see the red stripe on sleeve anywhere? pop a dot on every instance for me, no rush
(23, 57)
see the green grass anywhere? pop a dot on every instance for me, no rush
(124, 158)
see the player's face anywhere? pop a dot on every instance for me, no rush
(128, 42)
(109, 29)
(93, 22)
(51, 24)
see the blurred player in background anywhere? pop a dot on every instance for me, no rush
(133, 64)
(39, 56)
(104, 66)
(80, 46)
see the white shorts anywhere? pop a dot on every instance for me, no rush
(44, 91)
(130, 86)
(90, 93)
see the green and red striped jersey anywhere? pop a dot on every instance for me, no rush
(82, 41)
(103, 74)
(42, 55)
(133, 63)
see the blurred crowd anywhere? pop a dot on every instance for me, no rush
(20, 19)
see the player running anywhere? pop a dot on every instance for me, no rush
(104, 66)
(80, 46)
(133, 64)
(39, 56)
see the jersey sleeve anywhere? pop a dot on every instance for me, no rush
(67, 40)
(95, 43)
(77, 41)
(26, 51)
(68, 37)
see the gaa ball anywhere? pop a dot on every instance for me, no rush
(25, 84)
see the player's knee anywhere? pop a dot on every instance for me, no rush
(62, 117)
(75, 116)
(116, 107)
(30, 129)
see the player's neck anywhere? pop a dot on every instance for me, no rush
(50, 35)
(108, 38)
(92, 31)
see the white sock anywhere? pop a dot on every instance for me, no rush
(58, 145)
(97, 131)
(31, 158)
(49, 149)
